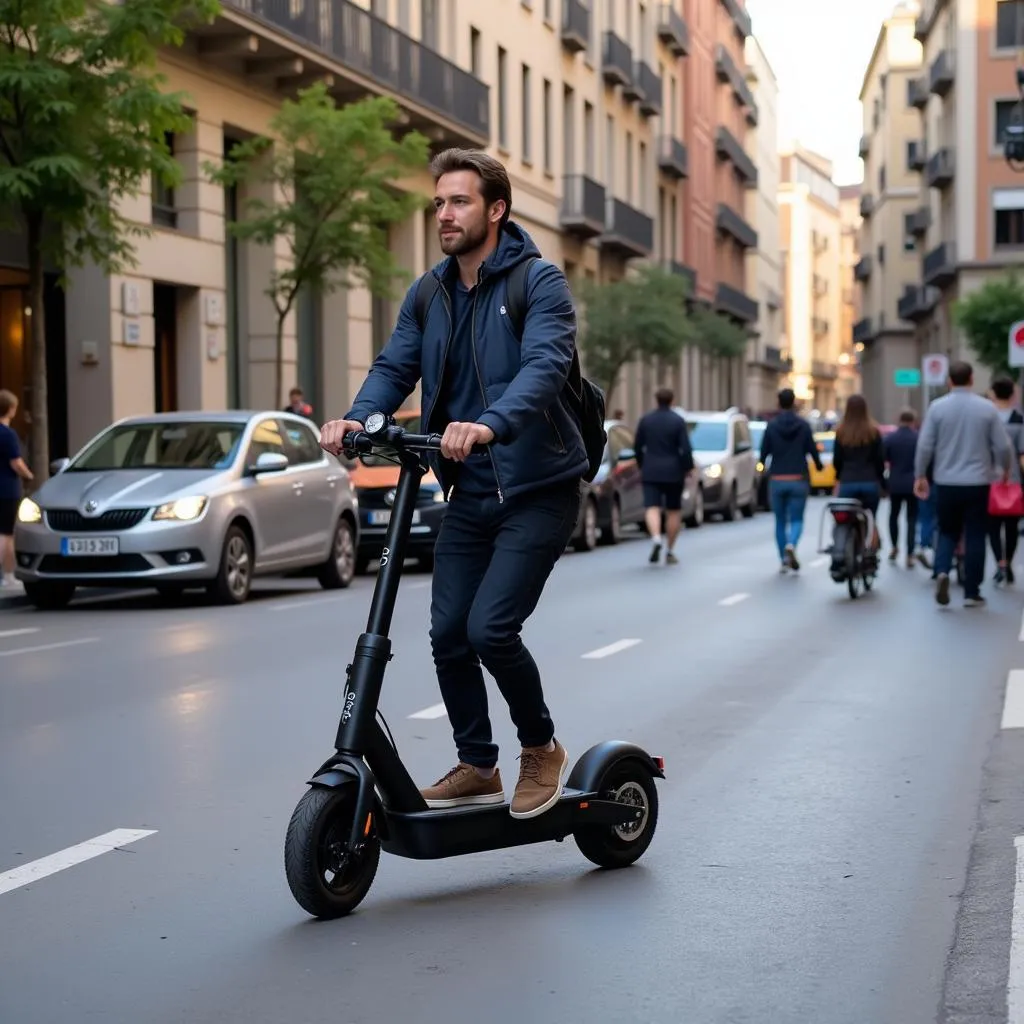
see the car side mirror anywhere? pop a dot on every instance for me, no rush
(269, 462)
(627, 455)
(58, 466)
(743, 446)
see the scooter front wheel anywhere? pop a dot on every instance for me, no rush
(616, 846)
(326, 879)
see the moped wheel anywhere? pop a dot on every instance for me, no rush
(854, 580)
(616, 846)
(326, 880)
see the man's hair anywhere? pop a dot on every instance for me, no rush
(908, 416)
(494, 183)
(295, 391)
(8, 401)
(960, 373)
(664, 396)
(1002, 388)
(787, 397)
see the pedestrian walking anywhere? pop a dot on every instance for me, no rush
(13, 471)
(1004, 520)
(900, 448)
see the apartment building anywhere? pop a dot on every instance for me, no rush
(850, 222)
(810, 233)
(622, 123)
(768, 365)
(888, 270)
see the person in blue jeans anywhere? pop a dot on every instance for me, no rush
(859, 459)
(788, 444)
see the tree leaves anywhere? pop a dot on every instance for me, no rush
(986, 317)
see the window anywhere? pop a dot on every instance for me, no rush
(609, 153)
(881, 180)
(527, 118)
(158, 445)
(911, 154)
(630, 183)
(429, 34)
(549, 14)
(568, 130)
(547, 126)
(163, 209)
(909, 244)
(379, 8)
(302, 445)
(1004, 117)
(642, 166)
(588, 136)
(502, 98)
(881, 255)
(405, 15)
(1008, 216)
(474, 51)
(1009, 24)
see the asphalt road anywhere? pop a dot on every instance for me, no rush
(835, 843)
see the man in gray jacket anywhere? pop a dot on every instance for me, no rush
(964, 441)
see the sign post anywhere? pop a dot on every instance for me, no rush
(934, 373)
(907, 378)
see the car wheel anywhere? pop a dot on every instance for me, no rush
(750, 509)
(612, 533)
(234, 578)
(697, 519)
(731, 509)
(340, 568)
(50, 597)
(587, 539)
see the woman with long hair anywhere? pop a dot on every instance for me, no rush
(859, 458)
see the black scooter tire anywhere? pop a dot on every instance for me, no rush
(602, 844)
(321, 818)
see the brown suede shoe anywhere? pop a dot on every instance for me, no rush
(463, 787)
(541, 778)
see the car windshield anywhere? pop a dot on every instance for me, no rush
(409, 423)
(707, 435)
(826, 445)
(203, 445)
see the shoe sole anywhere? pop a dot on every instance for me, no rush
(484, 800)
(551, 800)
(655, 554)
(942, 591)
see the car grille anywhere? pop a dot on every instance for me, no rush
(72, 521)
(374, 497)
(81, 566)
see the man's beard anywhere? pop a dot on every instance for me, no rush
(463, 241)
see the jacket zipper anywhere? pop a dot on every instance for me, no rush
(480, 380)
(444, 359)
(558, 436)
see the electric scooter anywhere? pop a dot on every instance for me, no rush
(852, 562)
(362, 799)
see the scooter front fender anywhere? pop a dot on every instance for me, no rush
(594, 763)
(341, 773)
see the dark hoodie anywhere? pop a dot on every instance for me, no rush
(513, 387)
(789, 441)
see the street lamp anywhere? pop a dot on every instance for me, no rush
(1013, 136)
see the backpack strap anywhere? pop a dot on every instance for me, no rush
(426, 288)
(517, 284)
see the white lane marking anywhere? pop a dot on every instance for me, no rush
(727, 602)
(419, 584)
(604, 652)
(1015, 978)
(307, 602)
(434, 711)
(18, 632)
(1013, 702)
(819, 562)
(49, 647)
(1020, 635)
(37, 869)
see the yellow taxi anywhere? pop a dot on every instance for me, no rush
(825, 478)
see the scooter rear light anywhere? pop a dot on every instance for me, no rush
(842, 517)
(659, 763)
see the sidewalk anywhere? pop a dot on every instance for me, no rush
(12, 596)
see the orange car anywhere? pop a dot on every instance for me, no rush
(375, 480)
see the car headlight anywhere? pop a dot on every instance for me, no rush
(183, 510)
(29, 511)
(760, 467)
(714, 471)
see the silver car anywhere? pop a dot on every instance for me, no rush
(191, 499)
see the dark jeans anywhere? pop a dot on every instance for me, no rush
(1002, 535)
(491, 562)
(962, 510)
(896, 503)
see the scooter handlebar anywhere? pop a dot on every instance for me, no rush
(361, 443)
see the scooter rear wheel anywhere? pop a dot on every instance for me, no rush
(616, 846)
(325, 880)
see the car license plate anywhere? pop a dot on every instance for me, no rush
(383, 517)
(89, 546)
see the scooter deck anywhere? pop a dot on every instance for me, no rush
(452, 832)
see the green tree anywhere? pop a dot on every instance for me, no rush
(986, 316)
(642, 316)
(330, 173)
(83, 119)
(718, 336)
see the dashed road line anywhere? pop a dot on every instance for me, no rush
(49, 647)
(604, 652)
(1013, 702)
(1015, 978)
(4, 633)
(728, 602)
(434, 711)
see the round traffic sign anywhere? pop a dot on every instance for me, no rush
(935, 367)
(1018, 335)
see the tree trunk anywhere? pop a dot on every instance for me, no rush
(39, 448)
(278, 399)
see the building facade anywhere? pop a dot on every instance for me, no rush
(889, 266)
(810, 234)
(849, 381)
(622, 123)
(768, 365)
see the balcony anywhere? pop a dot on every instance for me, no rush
(942, 73)
(820, 284)
(686, 272)
(940, 265)
(673, 30)
(725, 68)
(917, 93)
(819, 325)
(862, 268)
(930, 11)
(920, 221)
(740, 18)
(772, 299)
(941, 168)
(774, 360)
(823, 370)
(917, 302)
(865, 147)
(863, 331)
(616, 61)
(575, 26)
(735, 303)
(627, 231)
(583, 206)
(673, 157)
(867, 204)
(917, 155)
(729, 222)
(649, 85)
(728, 147)
(359, 53)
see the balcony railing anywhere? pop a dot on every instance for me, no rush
(917, 155)
(940, 265)
(917, 302)
(729, 222)
(941, 168)
(735, 303)
(673, 30)
(728, 147)
(920, 221)
(926, 19)
(774, 359)
(686, 272)
(863, 330)
(616, 61)
(627, 230)
(865, 146)
(673, 156)
(942, 73)
(740, 18)
(575, 25)
(824, 370)
(583, 206)
(917, 93)
(357, 40)
(863, 267)
(867, 204)
(725, 68)
(650, 88)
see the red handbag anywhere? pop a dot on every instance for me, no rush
(1005, 499)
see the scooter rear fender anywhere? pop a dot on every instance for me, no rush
(594, 763)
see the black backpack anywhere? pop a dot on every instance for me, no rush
(584, 398)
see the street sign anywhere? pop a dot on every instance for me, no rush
(935, 369)
(909, 377)
(1016, 340)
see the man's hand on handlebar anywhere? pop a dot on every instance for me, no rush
(332, 434)
(459, 438)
